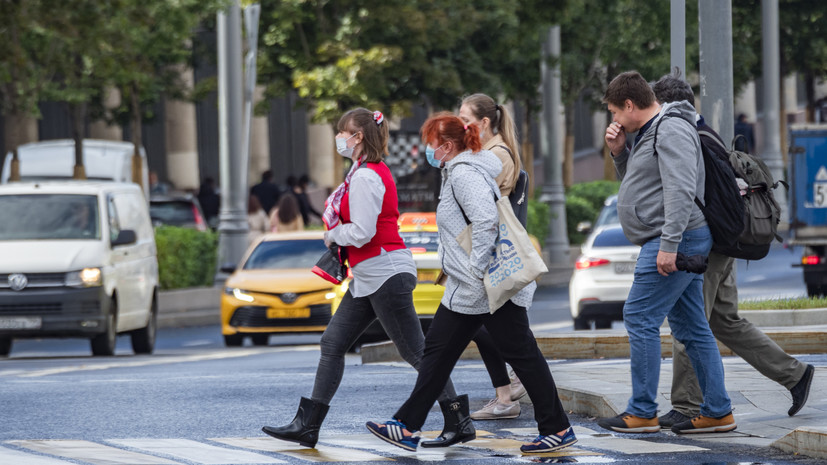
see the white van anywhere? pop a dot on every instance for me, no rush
(104, 160)
(78, 261)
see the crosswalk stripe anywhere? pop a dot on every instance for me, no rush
(18, 457)
(91, 452)
(369, 441)
(195, 451)
(321, 453)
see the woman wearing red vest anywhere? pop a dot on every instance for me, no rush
(361, 215)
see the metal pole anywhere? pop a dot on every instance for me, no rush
(772, 107)
(232, 226)
(717, 95)
(556, 249)
(251, 15)
(678, 36)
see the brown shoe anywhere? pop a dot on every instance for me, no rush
(628, 423)
(702, 424)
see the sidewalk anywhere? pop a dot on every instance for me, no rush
(601, 388)
(591, 369)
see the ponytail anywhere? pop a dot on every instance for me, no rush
(445, 127)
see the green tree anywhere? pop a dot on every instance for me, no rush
(149, 44)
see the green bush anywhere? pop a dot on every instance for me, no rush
(186, 257)
(578, 209)
(538, 220)
(595, 192)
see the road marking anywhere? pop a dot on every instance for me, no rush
(18, 457)
(153, 360)
(195, 451)
(91, 452)
(321, 453)
(607, 441)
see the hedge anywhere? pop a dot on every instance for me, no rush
(186, 257)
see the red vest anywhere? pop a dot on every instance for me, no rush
(387, 229)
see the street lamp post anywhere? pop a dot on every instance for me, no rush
(556, 250)
(232, 226)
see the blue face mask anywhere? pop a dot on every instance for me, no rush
(431, 157)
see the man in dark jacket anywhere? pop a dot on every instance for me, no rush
(266, 191)
(721, 306)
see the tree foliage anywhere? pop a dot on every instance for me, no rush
(398, 53)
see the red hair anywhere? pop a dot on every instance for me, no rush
(446, 127)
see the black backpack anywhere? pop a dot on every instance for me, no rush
(761, 211)
(723, 206)
(519, 195)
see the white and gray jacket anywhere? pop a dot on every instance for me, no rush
(468, 180)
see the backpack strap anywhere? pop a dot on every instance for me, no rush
(464, 216)
(655, 142)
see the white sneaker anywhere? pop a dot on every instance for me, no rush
(494, 410)
(517, 389)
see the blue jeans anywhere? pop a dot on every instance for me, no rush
(678, 297)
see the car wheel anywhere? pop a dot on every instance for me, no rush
(815, 291)
(233, 340)
(581, 323)
(603, 323)
(5, 346)
(143, 340)
(260, 339)
(104, 343)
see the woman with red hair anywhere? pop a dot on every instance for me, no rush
(468, 197)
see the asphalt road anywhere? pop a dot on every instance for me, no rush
(195, 402)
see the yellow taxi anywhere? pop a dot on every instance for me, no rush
(419, 232)
(272, 290)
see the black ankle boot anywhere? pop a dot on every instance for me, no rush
(304, 428)
(458, 426)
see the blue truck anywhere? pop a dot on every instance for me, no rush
(808, 202)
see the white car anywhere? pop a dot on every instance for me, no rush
(78, 261)
(602, 278)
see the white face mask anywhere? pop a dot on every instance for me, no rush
(342, 148)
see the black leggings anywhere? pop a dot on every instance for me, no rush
(450, 333)
(392, 303)
(492, 359)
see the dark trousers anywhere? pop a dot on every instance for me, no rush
(490, 355)
(450, 333)
(392, 304)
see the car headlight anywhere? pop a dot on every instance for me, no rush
(87, 277)
(239, 294)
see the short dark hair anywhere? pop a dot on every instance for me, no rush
(629, 86)
(671, 88)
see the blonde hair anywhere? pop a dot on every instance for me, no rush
(483, 106)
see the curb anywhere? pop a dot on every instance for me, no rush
(615, 344)
(805, 440)
(195, 306)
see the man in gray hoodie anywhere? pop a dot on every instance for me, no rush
(661, 174)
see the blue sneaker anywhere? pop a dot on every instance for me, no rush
(550, 443)
(394, 433)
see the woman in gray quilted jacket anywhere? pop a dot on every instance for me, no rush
(468, 196)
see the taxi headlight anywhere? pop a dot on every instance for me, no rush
(87, 277)
(239, 294)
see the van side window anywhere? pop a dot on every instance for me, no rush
(114, 224)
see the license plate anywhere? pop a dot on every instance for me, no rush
(625, 267)
(288, 313)
(23, 322)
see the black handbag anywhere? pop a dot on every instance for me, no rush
(331, 267)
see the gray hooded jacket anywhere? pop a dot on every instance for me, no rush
(656, 196)
(468, 179)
